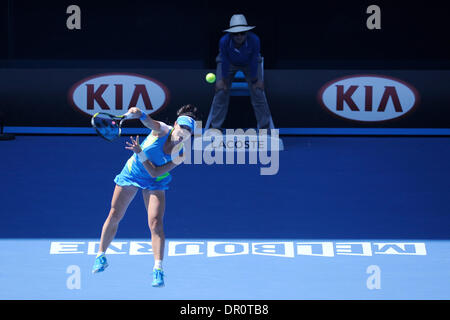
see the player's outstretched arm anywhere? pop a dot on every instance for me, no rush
(136, 113)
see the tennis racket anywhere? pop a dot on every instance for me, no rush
(108, 126)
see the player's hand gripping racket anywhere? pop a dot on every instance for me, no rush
(108, 126)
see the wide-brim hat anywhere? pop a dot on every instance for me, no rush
(238, 23)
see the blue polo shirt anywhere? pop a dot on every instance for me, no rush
(246, 55)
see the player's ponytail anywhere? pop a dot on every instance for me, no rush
(188, 110)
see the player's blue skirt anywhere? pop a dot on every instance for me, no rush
(126, 179)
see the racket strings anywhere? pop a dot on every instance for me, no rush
(106, 127)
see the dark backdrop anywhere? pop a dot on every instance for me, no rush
(294, 34)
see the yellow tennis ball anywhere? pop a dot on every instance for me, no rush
(210, 77)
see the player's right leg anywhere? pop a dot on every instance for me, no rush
(122, 197)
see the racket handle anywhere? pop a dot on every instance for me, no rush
(129, 115)
(126, 115)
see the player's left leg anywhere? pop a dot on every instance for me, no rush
(155, 202)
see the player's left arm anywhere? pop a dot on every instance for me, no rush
(160, 170)
(154, 171)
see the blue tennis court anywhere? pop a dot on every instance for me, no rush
(343, 218)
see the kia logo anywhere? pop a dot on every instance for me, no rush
(115, 93)
(368, 97)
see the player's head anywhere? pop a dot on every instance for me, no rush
(185, 124)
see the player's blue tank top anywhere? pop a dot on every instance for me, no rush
(153, 149)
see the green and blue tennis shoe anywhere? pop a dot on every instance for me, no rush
(158, 278)
(100, 264)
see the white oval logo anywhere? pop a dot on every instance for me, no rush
(115, 93)
(368, 97)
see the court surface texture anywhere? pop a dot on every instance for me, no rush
(344, 218)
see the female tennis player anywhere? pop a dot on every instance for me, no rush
(148, 170)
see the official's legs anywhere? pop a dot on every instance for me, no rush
(121, 199)
(219, 108)
(261, 108)
(221, 100)
(155, 203)
(259, 101)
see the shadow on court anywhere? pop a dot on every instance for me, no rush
(326, 187)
